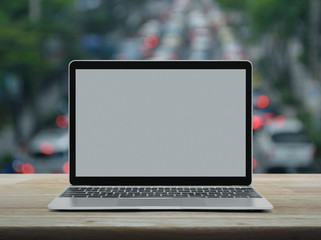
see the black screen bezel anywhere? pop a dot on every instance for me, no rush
(79, 64)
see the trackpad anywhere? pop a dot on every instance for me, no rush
(161, 202)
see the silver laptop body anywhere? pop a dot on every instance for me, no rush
(172, 135)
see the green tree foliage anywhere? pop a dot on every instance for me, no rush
(18, 40)
(22, 41)
(283, 17)
(234, 4)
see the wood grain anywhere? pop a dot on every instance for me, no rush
(296, 214)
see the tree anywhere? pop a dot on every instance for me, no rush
(22, 48)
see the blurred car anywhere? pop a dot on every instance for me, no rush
(129, 50)
(150, 27)
(47, 152)
(200, 55)
(282, 145)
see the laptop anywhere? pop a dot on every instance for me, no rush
(171, 135)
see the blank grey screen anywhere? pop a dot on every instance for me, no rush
(160, 122)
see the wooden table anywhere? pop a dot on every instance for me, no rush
(296, 214)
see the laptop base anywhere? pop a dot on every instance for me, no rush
(60, 203)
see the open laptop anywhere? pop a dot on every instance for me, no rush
(160, 135)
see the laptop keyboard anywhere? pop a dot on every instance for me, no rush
(160, 192)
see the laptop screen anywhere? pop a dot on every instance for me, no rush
(160, 122)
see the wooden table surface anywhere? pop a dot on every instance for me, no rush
(296, 214)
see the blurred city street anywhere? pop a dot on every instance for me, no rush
(286, 82)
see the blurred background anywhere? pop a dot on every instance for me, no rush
(281, 38)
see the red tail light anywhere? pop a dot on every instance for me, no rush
(262, 101)
(257, 122)
(47, 148)
(254, 163)
(150, 41)
(65, 167)
(27, 168)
